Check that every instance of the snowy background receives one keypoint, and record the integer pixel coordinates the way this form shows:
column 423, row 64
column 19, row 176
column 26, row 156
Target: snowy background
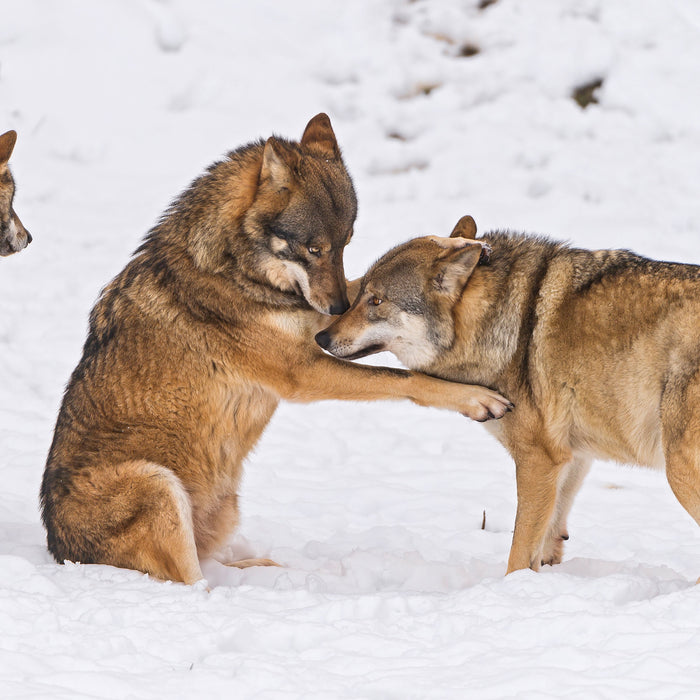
column 390, row 589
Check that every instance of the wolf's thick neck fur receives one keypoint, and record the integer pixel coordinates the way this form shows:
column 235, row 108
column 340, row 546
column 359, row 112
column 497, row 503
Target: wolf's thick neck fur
column 206, row 227
column 501, row 314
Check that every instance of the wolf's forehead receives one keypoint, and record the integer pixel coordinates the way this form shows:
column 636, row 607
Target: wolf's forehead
column 316, row 209
column 314, row 216
column 334, row 203
column 397, row 265
column 397, row 278
column 329, row 186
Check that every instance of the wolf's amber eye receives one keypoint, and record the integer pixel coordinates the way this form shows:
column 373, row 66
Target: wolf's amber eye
column 375, row 301
column 314, row 250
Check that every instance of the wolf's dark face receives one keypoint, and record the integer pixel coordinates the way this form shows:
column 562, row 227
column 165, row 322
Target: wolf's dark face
column 13, row 235
column 304, row 213
column 406, row 302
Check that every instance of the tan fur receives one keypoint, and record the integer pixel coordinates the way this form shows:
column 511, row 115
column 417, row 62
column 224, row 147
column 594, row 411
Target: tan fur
column 13, row 236
column 190, row 349
column 599, row 351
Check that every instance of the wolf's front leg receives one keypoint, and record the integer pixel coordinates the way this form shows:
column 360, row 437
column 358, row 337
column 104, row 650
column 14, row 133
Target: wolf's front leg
column 324, row 377
column 537, row 474
column 570, row 479
column 471, row 400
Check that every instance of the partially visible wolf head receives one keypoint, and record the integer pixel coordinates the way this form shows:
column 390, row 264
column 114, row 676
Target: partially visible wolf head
column 406, row 299
column 276, row 215
column 13, row 235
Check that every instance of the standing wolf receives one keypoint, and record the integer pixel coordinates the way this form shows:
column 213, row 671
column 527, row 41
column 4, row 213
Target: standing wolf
column 599, row 351
column 191, row 347
column 13, row 235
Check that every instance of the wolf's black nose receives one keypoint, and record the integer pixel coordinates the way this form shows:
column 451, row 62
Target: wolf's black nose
column 323, row 339
column 339, row 307
column 29, row 237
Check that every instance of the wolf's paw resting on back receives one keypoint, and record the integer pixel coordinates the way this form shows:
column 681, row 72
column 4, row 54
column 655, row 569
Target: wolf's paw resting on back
column 484, row 404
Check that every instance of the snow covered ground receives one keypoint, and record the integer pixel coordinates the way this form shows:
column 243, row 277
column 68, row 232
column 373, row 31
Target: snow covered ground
column 391, row 588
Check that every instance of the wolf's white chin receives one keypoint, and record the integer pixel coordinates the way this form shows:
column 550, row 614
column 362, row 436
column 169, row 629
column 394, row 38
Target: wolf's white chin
column 418, row 358
column 414, row 348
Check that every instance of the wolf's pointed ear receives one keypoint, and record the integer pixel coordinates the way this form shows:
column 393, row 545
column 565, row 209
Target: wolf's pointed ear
column 7, row 144
column 454, row 267
column 465, row 228
column 278, row 164
column 319, row 137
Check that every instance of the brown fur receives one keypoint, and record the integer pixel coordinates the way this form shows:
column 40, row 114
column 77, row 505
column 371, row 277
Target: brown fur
column 13, row 236
column 599, row 351
column 191, row 347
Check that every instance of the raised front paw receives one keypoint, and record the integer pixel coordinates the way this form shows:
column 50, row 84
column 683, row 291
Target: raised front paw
column 484, row 404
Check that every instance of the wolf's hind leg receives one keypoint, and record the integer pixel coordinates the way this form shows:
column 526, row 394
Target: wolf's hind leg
column 683, row 471
column 134, row 515
column 683, row 474
column 680, row 419
column 160, row 540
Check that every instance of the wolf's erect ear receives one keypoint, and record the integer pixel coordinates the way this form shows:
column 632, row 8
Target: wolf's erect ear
column 465, row 228
column 454, row 268
column 278, row 164
column 319, row 137
column 7, row 144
